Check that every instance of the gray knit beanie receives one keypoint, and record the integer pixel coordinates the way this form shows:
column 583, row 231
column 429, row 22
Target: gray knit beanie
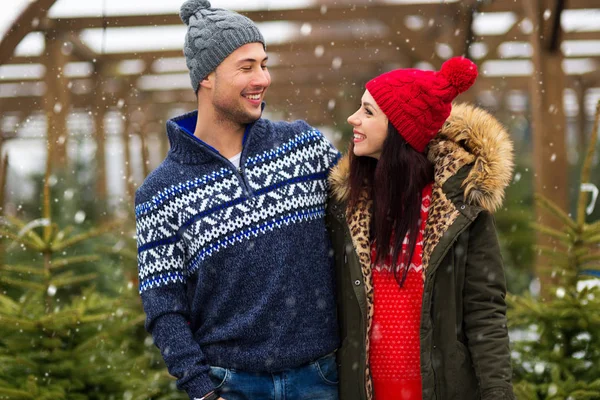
column 213, row 34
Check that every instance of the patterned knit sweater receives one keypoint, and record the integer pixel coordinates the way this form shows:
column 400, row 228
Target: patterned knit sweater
column 234, row 264
column 395, row 344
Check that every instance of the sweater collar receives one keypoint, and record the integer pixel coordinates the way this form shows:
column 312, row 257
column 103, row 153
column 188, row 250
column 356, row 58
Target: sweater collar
column 188, row 149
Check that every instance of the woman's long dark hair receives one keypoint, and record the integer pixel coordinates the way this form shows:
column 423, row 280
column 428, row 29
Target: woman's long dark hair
column 395, row 183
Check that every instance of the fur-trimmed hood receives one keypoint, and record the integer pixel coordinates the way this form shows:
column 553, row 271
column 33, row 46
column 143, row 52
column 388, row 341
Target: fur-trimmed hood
column 470, row 136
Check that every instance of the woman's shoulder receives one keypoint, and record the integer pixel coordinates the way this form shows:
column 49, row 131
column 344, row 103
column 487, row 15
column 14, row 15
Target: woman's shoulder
column 339, row 182
column 473, row 155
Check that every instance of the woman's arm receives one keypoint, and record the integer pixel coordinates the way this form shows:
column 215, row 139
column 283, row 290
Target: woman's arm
column 485, row 311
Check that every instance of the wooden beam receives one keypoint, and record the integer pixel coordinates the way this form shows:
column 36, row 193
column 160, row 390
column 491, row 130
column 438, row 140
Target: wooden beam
column 308, row 45
column 56, row 102
column 346, row 12
column 493, row 42
column 24, row 24
column 592, row 78
column 80, row 49
column 513, row 6
column 552, row 29
column 307, row 85
column 549, row 126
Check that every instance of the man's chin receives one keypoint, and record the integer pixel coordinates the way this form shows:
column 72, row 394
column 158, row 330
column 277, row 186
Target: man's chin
column 252, row 117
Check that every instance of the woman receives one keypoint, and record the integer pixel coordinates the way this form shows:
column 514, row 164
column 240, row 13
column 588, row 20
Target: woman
column 418, row 187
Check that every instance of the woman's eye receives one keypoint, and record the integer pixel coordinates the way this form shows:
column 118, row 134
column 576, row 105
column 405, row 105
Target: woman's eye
column 368, row 112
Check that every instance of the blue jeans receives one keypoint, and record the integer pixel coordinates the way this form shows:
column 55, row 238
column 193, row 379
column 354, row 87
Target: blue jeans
column 317, row 380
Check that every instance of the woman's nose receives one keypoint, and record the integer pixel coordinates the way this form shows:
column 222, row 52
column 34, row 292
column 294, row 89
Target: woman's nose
column 353, row 120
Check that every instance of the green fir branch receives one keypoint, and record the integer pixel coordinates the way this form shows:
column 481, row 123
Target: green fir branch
column 20, row 240
column 67, row 261
column 23, row 269
column 562, row 236
column 15, row 394
column 20, row 283
column 555, row 211
column 16, row 324
column 21, row 225
column 60, row 245
column 68, row 279
column 8, row 304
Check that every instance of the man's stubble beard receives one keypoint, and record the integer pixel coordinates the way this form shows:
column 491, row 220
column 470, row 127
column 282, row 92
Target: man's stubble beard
column 230, row 111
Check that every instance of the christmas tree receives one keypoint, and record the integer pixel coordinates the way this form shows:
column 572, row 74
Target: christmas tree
column 61, row 337
column 557, row 352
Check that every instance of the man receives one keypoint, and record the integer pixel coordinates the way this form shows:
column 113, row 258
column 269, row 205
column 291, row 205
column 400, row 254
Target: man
column 234, row 259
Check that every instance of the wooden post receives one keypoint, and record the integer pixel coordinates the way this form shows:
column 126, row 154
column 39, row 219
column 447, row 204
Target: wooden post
column 580, row 91
column 99, row 113
column 129, row 182
column 57, row 101
column 548, row 118
column 3, row 174
column 144, row 144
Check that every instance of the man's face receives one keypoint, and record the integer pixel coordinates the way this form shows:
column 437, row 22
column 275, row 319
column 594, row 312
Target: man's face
column 240, row 83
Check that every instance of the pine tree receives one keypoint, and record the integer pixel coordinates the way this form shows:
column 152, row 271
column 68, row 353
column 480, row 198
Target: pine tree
column 60, row 337
column 559, row 358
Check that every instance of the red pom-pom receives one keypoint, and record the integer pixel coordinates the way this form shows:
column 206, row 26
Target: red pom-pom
column 460, row 72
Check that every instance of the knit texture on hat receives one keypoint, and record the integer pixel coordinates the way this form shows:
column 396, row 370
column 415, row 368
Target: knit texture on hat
column 418, row 102
column 212, row 35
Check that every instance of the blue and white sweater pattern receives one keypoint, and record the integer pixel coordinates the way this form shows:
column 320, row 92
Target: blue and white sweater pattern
column 286, row 185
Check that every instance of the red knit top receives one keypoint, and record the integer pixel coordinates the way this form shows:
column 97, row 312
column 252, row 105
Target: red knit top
column 395, row 346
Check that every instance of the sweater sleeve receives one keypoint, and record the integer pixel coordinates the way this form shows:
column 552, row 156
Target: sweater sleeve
column 485, row 311
column 162, row 277
column 331, row 154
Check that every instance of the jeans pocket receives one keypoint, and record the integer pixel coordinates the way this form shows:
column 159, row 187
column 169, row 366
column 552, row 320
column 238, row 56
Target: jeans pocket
column 327, row 369
column 218, row 376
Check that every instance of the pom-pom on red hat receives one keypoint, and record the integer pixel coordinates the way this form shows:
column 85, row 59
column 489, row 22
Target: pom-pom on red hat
column 418, row 102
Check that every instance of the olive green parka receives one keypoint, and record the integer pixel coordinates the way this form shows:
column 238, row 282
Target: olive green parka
column 464, row 340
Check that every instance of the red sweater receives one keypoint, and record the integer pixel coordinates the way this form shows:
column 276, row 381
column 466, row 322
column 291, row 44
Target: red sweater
column 395, row 346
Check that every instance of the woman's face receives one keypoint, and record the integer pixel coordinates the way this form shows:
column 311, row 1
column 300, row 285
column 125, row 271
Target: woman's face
column 370, row 128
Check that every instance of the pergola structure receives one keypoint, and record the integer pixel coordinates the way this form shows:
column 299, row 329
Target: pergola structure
column 318, row 73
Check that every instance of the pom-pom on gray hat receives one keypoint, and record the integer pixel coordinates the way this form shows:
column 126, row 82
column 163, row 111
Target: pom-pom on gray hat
column 212, row 35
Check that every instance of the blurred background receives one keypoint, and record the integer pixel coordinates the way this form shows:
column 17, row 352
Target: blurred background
column 86, row 89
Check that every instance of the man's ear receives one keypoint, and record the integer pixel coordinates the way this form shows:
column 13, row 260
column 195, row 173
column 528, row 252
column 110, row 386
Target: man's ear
column 208, row 82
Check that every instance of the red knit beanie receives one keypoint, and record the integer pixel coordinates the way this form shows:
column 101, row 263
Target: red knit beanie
column 418, row 102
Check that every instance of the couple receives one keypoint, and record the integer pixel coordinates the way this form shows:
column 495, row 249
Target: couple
column 242, row 291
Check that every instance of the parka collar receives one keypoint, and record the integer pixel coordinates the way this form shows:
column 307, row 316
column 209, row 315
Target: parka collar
column 475, row 137
column 470, row 136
